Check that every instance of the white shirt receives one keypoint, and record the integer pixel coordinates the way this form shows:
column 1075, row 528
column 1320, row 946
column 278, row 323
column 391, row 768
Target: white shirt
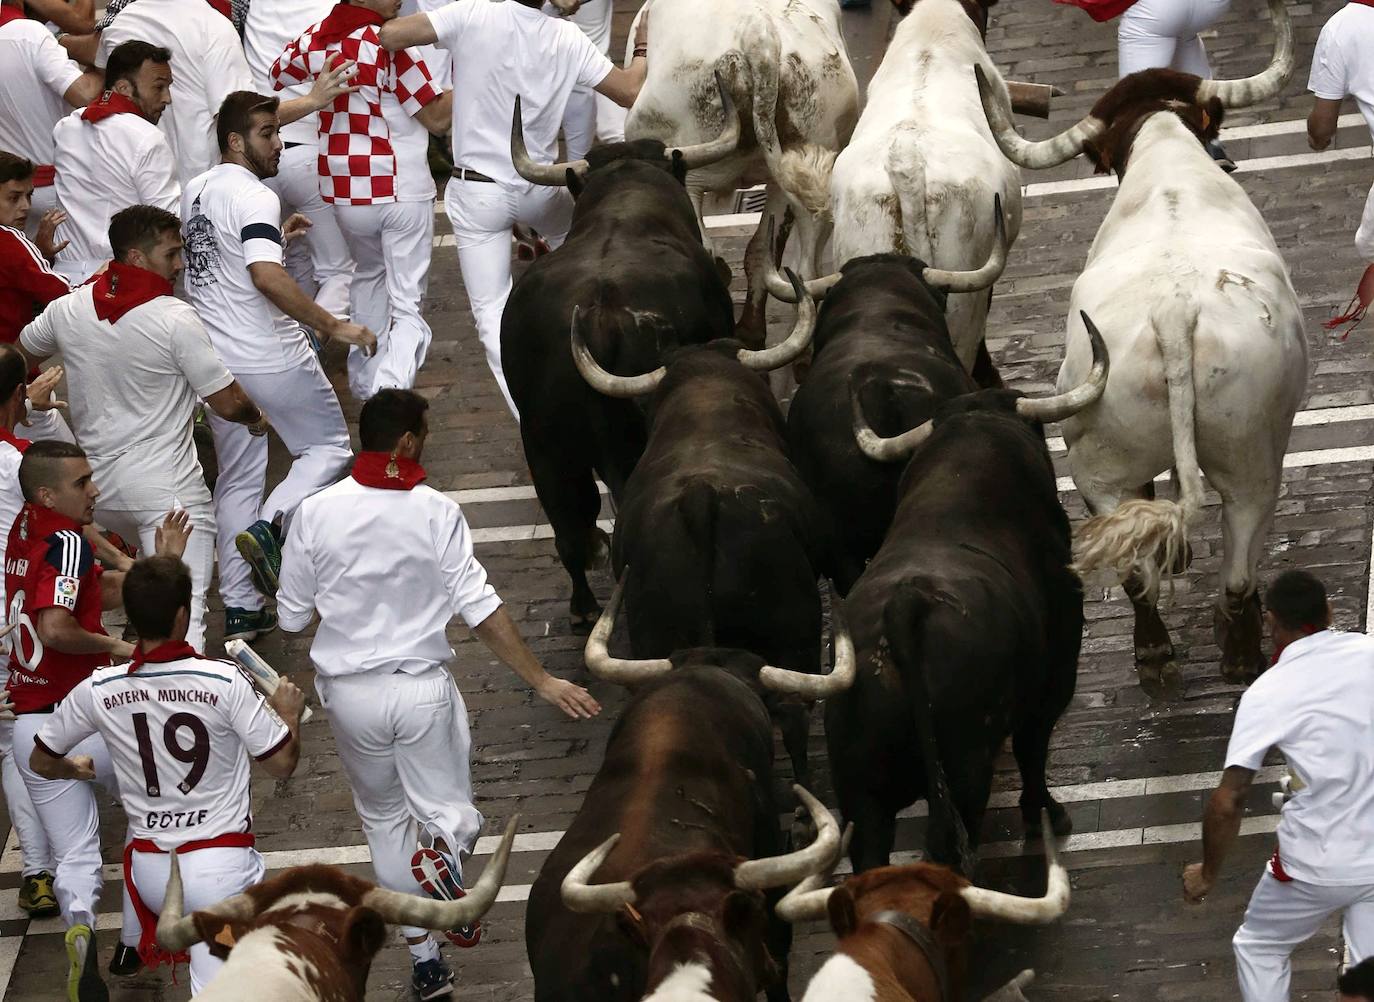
column 1317, row 707
column 502, row 50
column 11, row 500
column 1343, row 61
column 177, row 733
column 37, row 73
column 269, row 28
column 207, row 66
column 103, row 167
column 133, row 387
column 387, row 570
column 230, row 220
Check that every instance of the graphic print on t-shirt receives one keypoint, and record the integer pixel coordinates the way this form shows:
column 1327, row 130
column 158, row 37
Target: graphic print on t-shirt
column 202, row 250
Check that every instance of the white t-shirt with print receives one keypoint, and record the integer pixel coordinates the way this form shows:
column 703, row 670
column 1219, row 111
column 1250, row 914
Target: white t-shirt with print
column 1343, row 61
column 1317, row 707
column 501, row 50
column 37, row 73
column 230, row 219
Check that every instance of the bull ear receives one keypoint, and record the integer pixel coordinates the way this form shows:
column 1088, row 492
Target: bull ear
column 950, row 919
column 631, row 925
column 844, row 919
column 219, row 934
column 364, row 933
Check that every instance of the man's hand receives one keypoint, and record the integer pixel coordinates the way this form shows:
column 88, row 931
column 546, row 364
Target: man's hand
column 6, row 705
column 46, row 237
column 1195, row 885
column 288, row 701
column 350, row 333
column 296, row 225
column 572, row 699
column 173, row 533
column 42, row 391
column 642, row 31
column 122, row 650
column 81, row 767
column 259, row 427
column 333, row 82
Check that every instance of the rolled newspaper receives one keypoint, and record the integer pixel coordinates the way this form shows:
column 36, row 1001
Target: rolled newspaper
column 264, row 676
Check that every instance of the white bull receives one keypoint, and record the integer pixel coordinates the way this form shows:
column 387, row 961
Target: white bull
column 1209, row 357
column 785, row 64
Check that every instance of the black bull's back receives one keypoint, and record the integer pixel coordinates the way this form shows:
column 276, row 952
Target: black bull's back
column 688, row 768
column 972, row 590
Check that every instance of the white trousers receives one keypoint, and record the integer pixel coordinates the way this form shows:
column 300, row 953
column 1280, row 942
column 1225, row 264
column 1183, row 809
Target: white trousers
column 1282, row 914
column 70, row 818
column 482, row 214
column 199, row 555
column 304, row 412
column 44, row 199
column 1163, row 34
column 327, row 268
column 391, row 245
column 35, row 852
column 208, row 876
column 403, row 743
column 44, row 425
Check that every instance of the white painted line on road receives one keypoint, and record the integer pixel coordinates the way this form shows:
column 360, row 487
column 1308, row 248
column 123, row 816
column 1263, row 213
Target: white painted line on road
column 9, row 953
column 1317, row 418
column 517, row 533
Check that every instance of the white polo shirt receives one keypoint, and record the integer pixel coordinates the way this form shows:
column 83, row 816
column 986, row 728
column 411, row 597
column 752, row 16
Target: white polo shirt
column 500, row 50
column 230, row 219
column 207, row 66
column 103, row 167
column 267, row 31
column 133, row 387
column 37, row 73
column 1343, row 61
column 387, row 570
column 1317, row 707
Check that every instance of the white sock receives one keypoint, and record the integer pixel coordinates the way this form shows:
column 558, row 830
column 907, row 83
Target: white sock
column 427, row 949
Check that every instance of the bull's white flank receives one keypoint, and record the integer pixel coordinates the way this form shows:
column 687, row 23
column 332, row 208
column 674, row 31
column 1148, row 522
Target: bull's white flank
column 840, row 977
column 687, row 983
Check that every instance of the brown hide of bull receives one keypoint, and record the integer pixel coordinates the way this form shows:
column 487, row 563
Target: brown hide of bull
column 688, row 910
column 338, row 942
column 1125, row 107
column 899, row 968
column 977, row 11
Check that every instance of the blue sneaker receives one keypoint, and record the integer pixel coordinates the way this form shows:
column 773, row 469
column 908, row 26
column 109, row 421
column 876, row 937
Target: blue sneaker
column 432, row 872
column 260, row 545
column 247, row 624
column 431, row 979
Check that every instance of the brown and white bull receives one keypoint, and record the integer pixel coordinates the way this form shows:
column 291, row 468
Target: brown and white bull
column 787, row 69
column 1209, row 357
column 309, row 934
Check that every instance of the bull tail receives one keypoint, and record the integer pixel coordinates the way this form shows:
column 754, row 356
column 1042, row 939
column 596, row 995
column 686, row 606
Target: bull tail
column 699, row 508
column 1147, row 538
column 906, row 166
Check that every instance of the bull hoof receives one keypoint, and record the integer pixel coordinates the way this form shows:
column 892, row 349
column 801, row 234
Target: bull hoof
column 582, row 622
column 1239, row 674
column 1161, row 679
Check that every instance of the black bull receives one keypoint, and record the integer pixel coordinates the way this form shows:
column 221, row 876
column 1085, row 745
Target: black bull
column 635, row 265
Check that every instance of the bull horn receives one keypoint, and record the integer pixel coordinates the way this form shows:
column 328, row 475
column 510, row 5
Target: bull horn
column 1266, row 83
column 1067, row 404
column 177, row 932
column 808, row 686
column 622, row 671
column 604, row 382
column 1027, row 911
column 819, row 856
column 809, row 899
column 703, row 154
column 781, row 288
column 768, row 359
column 1046, row 153
column 979, row 278
column 396, row 908
column 552, row 175
column 580, row 896
column 873, row 445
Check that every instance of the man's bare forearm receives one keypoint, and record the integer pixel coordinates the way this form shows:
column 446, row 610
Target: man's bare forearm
column 282, row 291
column 1220, row 828
column 499, row 633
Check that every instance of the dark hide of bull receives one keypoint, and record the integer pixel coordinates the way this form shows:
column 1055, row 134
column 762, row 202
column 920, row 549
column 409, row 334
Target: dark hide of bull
column 635, row 266
column 1135, row 98
column 723, row 541
column 687, row 780
column 883, row 322
column 971, row 589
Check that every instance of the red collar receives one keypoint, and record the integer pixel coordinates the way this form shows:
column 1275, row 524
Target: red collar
column 8, row 14
column 391, row 473
column 123, row 287
column 107, row 104
column 1367, row 3
column 40, row 523
column 1307, row 631
column 343, row 20
column 172, row 650
column 20, row 444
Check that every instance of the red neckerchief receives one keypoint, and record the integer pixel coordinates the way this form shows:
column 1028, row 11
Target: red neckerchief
column 123, row 287
column 224, row 7
column 390, row 473
column 20, row 444
column 1364, row 292
column 1101, row 10
column 342, row 21
column 1307, row 631
column 107, row 104
column 8, row 14
column 1367, row 3
column 172, row 650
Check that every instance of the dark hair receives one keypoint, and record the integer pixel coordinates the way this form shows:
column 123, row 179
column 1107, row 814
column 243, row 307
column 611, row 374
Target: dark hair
column 236, row 114
column 1297, row 600
column 128, row 58
column 154, row 589
column 388, row 415
column 139, row 227
column 14, row 167
column 14, row 371
column 39, row 465
column 1358, row 981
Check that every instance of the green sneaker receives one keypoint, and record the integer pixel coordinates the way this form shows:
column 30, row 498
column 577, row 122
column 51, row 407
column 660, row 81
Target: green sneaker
column 36, row 895
column 260, row 545
column 84, row 983
column 247, row 624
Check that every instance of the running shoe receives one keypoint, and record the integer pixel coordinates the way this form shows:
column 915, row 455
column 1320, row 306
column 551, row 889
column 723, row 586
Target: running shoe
column 431, row 979
column 434, row 874
column 125, row 961
column 36, row 895
column 247, row 624
column 260, row 545
column 83, row 970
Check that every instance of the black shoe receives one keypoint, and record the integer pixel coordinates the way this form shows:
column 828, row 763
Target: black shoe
column 1219, row 154
column 431, row 979
column 125, row 961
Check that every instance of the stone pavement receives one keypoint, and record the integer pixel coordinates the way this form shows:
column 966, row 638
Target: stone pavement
column 1134, row 772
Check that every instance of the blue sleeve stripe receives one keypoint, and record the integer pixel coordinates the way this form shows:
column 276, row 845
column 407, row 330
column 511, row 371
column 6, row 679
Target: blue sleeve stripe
column 260, row 231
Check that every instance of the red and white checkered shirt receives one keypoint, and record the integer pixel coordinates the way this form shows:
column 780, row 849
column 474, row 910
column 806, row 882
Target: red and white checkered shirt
column 357, row 161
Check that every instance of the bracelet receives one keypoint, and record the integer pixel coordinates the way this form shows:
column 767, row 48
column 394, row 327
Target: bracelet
column 641, row 52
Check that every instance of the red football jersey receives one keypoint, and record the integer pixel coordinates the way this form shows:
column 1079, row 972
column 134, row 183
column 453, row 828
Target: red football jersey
column 49, row 564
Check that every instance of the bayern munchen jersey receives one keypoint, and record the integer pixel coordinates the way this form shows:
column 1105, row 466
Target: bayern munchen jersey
column 180, row 729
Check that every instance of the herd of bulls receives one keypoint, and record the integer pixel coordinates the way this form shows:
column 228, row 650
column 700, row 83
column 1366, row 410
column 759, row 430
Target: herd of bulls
column 903, row 472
